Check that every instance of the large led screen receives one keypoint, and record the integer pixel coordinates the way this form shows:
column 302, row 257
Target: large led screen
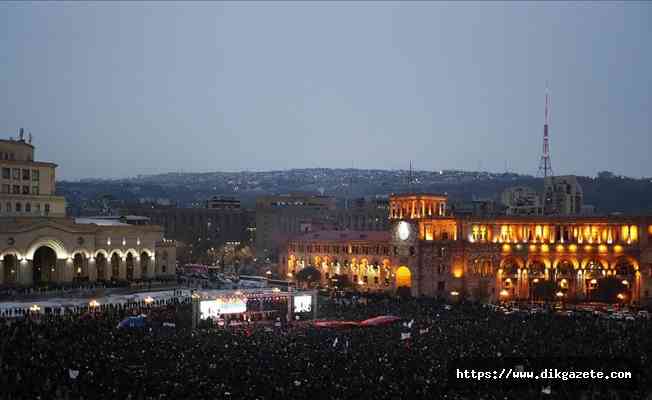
column 215, row 308
column 302, row 304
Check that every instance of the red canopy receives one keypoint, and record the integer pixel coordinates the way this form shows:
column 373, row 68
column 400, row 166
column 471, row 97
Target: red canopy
column 335, row 324
column 380, row 320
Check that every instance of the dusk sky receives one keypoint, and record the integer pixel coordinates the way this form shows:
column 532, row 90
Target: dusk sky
column 118, row 89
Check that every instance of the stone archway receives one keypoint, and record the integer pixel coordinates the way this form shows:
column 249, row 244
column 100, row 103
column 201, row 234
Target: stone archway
column 10, row 272
column 625, row 271
column 145, row 264
column 100, row 264
column 79, row 266
column 130, row 261
column 115, row 266
column 593, row 272
column 403, row 277
column 44, row 266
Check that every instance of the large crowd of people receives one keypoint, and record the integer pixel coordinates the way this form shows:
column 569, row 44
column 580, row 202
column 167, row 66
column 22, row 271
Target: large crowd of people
column 84, row 355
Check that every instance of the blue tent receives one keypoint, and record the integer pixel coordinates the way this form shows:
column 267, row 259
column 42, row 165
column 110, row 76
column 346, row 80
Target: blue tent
column 132, row 322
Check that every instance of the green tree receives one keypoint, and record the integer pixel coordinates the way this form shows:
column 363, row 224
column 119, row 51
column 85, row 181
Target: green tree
column 309, row 275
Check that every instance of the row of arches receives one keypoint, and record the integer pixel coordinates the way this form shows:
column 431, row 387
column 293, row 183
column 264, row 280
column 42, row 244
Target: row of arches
column 569, row 277
column 46, row 266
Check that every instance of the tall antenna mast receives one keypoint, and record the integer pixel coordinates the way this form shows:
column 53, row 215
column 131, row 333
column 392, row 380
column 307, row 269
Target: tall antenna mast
column 545, row 166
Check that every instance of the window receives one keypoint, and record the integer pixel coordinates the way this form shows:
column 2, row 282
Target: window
column 6, row 189
column 35, row 190
column 35, row 175
column 6, row 173
column 28, row 208
column 19, row 207
column 15, row 173
column 16, row 189
column 441, row 286
column 47, row 209
column 25, row 189
column 8, row 207
column 37, row 208
column 25, row 174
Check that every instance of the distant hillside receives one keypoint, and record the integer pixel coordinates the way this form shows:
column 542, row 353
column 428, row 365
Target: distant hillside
column 608, row 193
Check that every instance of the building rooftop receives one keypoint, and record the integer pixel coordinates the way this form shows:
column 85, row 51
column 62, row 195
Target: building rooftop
column 346, row 235
column 99, row 221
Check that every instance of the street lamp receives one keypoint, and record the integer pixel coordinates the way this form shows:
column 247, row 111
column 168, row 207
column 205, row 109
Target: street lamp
column 93, row 304
column 149, row 300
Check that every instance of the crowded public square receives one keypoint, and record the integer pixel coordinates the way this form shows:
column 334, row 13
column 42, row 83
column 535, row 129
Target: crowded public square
column 87, row 353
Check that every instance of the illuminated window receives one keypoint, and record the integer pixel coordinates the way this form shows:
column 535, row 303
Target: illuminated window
column 633, row 233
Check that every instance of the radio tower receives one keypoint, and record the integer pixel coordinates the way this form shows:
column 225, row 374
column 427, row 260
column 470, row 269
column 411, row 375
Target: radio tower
column 545, row 167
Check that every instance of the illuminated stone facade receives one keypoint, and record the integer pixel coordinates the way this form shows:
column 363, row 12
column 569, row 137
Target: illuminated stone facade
column 487, row 258
column 59, row 250
column 40, row 245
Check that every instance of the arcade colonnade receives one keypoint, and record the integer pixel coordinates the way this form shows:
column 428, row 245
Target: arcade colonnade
column 48, row 260
column 573, row 278
column 367, row 273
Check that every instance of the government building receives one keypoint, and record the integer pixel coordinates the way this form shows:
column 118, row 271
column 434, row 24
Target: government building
column 40, row 245
column 487, row 258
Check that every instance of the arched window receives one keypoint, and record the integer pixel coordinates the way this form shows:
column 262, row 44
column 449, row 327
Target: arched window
column 19, row 207
column 28, row 207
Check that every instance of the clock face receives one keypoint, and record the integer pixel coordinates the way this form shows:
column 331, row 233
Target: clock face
column 403, row 230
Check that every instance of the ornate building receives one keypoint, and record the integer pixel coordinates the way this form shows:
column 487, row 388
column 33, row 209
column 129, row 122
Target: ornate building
column 490, row 258
column 40, row 245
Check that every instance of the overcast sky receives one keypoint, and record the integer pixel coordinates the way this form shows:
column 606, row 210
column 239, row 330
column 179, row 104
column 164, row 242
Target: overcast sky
column 119, row 89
